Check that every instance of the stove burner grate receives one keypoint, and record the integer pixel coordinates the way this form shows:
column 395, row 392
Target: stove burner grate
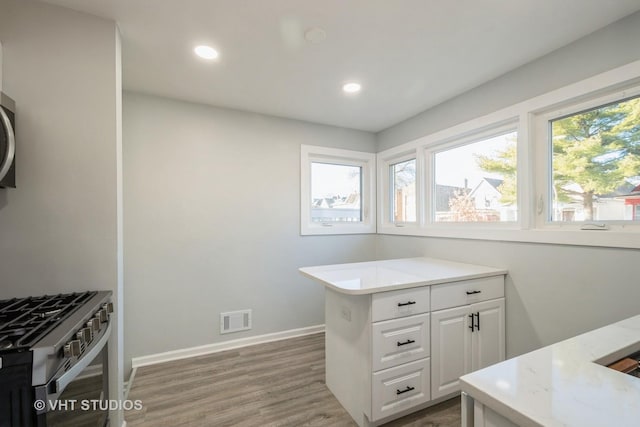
column 24, row 321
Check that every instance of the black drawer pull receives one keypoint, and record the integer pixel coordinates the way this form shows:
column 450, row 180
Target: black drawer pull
column 409, row 388
column 405, row 343
column 402, row 304
column 473, row 292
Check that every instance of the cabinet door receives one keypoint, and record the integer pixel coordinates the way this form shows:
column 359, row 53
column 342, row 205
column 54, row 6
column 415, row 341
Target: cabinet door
column 450, row 349
column 488, row 341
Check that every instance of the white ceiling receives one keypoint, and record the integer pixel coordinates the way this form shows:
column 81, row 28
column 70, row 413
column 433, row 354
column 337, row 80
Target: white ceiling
column 409, row 55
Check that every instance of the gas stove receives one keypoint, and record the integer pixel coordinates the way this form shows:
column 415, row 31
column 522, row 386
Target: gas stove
column 45, row 343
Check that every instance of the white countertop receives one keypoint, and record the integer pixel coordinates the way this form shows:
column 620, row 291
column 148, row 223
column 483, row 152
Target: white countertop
column 379, row 276
column 560, row 385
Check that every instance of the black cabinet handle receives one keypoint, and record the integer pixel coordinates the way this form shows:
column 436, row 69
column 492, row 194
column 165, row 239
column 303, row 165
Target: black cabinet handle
column 473, row 292
column 471, row 327
column 402, row 304
column 405, row 343
column 409, row 388
column 478, row 318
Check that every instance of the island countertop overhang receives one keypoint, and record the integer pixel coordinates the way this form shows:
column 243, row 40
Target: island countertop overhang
column 364, row 278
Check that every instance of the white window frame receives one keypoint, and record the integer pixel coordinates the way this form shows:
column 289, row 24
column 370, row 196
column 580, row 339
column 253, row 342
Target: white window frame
column 430, row 152
column 544, row 160
column 533, row 163
column 385, row 199
column 366, row 161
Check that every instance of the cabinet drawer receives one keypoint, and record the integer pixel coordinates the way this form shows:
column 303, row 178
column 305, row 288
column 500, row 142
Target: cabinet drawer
column 394, row 304
column 400, row 341
column 400, row 388
column 466, row 292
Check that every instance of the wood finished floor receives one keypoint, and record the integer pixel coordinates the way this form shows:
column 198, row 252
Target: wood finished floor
column 273, row 384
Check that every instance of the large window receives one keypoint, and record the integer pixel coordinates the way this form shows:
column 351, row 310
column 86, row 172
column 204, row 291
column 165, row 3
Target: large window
column 595, row 164
column 477, row 181
column 337, row 191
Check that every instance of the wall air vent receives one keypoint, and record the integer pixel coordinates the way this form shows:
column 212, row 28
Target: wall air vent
column 235, row 321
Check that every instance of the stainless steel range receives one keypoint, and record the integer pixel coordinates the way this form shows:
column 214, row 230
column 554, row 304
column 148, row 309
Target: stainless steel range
column 47, row 345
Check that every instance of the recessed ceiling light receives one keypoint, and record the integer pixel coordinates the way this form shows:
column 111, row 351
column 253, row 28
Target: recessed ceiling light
column 352, row 87
column 206, row 52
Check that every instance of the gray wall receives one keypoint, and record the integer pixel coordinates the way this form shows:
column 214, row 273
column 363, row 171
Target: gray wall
column 58, row 228
column 212, row 223
column 610, row 47
column 553, row 291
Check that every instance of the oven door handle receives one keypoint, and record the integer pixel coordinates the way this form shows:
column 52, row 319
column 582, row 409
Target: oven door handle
column 67, row 377
column 11, row 144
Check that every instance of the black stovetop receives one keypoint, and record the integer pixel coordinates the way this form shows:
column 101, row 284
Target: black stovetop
column 24, row 321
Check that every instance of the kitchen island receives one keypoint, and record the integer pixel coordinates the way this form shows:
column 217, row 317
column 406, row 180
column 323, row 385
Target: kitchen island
column 399, row 333
column 564, row 384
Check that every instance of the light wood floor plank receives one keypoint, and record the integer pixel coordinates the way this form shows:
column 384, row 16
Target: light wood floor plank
column 279, row 384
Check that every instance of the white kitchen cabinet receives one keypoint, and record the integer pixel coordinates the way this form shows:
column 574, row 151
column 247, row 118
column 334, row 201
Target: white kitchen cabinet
column 468, row 337
column 451, row 354
column 487, row 340
column 378, row 369
column 395, row 328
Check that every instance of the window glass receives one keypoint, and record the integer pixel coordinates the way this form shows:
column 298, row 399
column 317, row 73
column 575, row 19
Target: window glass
column 476, row 182
column 403, row 187
column 596, row 164
column 336, row 192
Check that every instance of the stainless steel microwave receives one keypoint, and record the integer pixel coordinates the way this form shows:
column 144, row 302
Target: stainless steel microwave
column 7, row 142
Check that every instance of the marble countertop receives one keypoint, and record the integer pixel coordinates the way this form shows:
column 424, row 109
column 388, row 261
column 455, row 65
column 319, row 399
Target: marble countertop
column 379, row 276
column 566, row 384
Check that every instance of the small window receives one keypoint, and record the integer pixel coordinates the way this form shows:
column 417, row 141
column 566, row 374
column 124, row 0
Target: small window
column 476, row 182
column 403, row 188
column 595, row 172
column 336, row 191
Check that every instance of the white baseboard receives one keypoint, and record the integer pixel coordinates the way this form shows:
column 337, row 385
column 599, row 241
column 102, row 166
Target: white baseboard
column 202, row 350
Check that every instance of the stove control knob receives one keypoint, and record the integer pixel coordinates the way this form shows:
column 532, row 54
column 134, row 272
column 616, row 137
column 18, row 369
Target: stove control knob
column 94, row 324
column 80, row 337
column 108, row 307
column 87, row 334
column 72, row 349
column 102, row 316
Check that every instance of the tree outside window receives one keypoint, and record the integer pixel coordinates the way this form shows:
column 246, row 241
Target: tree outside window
column 596, row 163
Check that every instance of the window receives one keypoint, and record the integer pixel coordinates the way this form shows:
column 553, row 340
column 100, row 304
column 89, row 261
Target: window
column 477, row 181
column 595, row 163
column 551, row 169
column 336, row 191
column 399, row 186
column 403, row 188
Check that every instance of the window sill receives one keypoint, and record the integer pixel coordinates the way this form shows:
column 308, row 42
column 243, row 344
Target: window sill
column 320, row 230
column 597, row 238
